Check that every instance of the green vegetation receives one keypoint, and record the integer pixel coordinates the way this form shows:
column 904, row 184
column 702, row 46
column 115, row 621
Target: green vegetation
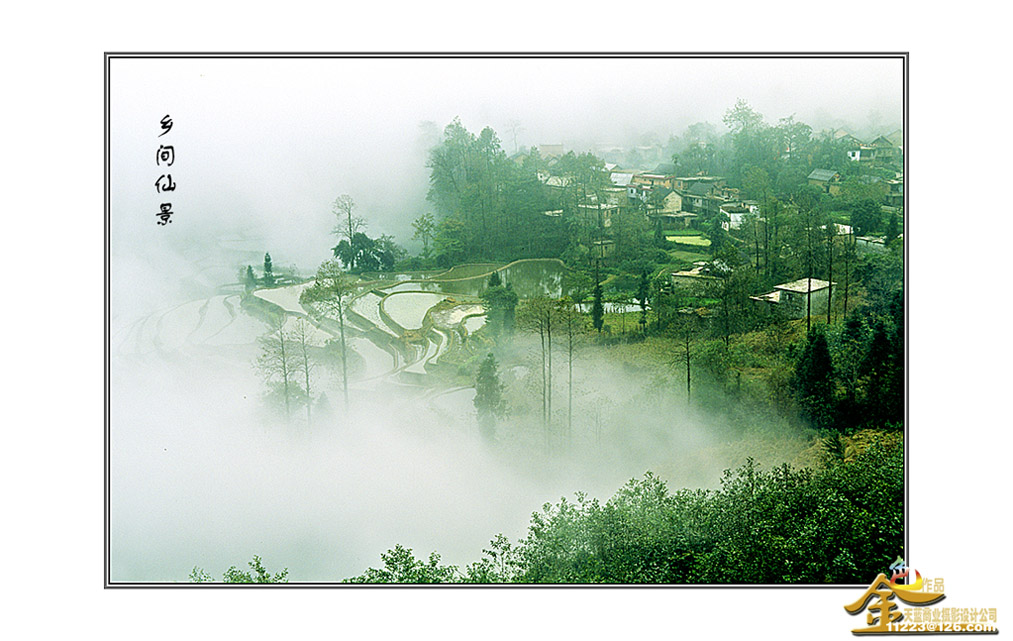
column 839, row 523
column 259, row 574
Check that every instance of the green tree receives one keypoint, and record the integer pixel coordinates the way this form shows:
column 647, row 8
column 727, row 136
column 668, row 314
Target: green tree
column 249, row 279
column 365, row 254
column 643, row 291
column 754, row 143
column 732, row 288
column 425, row 230
column 578, row 285
column 451, row 243
column 848, row 355
column 488, row 400
column 892, row 228
column 813, row 381
column 494, row 280
column 500, row 303
column 268, row 271
column 597, row 309
column 499, row 564
column 741, row 118
column 756, row 183
column 866, row 216
column 401, row 566
column 883, row 375
column 388, row 252
column 795, row 138
column 717, row 233
column 467, row 183
column 259, row 574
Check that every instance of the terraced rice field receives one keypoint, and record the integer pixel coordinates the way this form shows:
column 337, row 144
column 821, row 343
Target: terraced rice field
column 408, row 309
column 286, row 298
column 454, row 315
column 367, row 306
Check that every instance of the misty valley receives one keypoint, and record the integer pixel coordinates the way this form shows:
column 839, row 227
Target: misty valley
column 667, row 364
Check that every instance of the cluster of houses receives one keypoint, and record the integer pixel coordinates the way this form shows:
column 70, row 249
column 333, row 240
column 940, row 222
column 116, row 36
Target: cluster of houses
column 676, row 200
column 679, row 200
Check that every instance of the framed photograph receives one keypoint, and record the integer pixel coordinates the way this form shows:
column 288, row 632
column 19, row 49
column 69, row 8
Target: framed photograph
column 506, row 319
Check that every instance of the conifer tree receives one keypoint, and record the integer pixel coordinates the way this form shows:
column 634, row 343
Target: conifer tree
column 488, row 396
column 597, row 309
column 813, row 380
column 642, row 292
column 268, row 270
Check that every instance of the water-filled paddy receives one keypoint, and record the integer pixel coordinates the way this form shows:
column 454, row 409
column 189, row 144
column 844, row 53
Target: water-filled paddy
column 286, row 298
column 367, row 306
column 408, row 309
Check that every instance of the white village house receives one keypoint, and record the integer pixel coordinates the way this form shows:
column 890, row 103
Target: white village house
column 790, row 300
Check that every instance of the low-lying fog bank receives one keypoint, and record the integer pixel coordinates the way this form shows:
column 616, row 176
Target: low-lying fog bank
column 206, row 472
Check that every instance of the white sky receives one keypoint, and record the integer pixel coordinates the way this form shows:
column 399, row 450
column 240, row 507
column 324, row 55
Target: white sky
column 267, row 144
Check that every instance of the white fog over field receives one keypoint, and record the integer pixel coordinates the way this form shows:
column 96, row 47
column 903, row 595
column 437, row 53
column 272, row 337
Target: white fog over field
column 204, row 473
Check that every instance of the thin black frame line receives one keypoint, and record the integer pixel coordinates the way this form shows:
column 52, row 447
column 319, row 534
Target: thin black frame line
column 107, row 352
column 907, row 323
column 109, row 56
column 513, row 55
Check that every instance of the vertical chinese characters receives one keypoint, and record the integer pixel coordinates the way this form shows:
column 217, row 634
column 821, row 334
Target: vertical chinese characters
column 165, row 157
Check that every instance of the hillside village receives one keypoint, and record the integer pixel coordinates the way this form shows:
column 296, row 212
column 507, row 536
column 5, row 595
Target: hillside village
column 685, row 209
column 750, row 253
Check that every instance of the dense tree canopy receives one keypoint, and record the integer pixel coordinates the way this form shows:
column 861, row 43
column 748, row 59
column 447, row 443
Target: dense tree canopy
column 760, row 527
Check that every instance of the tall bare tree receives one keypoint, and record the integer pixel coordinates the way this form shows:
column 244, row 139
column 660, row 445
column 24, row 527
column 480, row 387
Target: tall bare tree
column 348, row 223
column 831, row 236
column 301, row 338
column 277, row 361
column 327, row 298
column 849, row 256
column 538, row 315
column 573, row 324
column 684, row 332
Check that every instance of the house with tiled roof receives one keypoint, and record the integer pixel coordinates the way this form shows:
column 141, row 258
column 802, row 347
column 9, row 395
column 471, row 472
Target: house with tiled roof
column 885, row 150
column 826, row 179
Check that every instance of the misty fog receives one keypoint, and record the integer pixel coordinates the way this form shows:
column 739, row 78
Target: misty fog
column 204, row 472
